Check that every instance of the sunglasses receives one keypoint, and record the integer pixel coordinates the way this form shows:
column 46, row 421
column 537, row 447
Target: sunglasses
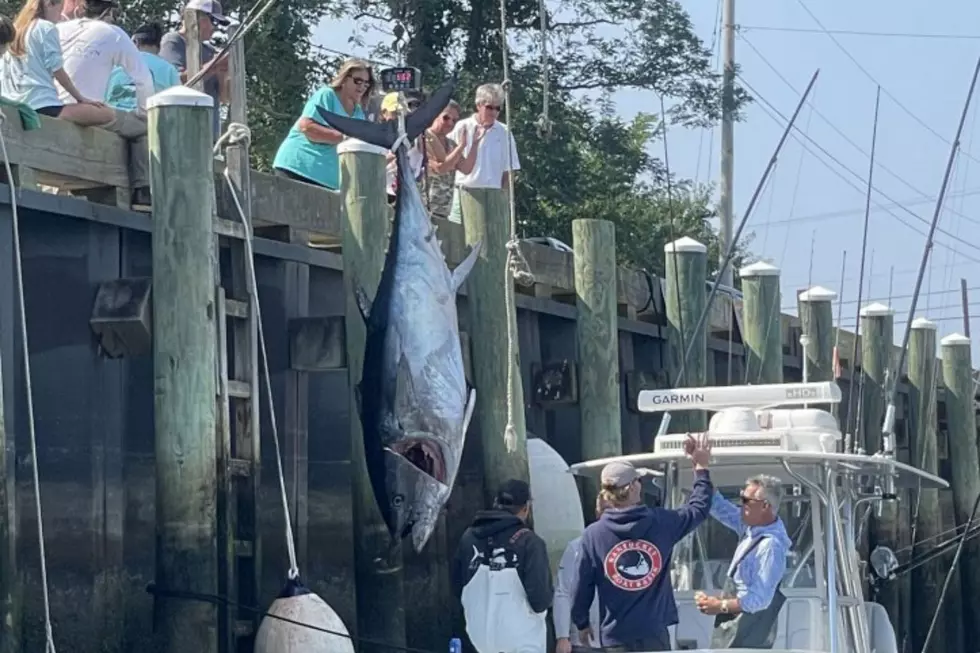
column 492, row 107
column 449, row 118
column 360, row 81
column 748, row 500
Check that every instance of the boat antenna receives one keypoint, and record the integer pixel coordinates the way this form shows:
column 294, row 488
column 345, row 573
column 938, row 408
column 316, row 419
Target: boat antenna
column 888, row 427
column 852, row 423
column 730, row 254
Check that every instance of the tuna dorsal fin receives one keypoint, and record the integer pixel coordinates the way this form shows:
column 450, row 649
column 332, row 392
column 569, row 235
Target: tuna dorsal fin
column 463, row 269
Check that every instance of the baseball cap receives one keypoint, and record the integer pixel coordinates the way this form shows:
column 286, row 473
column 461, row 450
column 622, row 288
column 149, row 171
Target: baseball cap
column 619, row 474
column 390, row 102
column 209, row 7
column 513, row 493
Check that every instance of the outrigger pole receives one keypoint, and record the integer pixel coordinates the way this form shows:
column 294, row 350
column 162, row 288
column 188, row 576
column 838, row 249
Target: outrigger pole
column 888, row 427
column 730, row 254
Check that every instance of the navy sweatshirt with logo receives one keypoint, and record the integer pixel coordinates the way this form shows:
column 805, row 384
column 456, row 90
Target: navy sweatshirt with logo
column 626, row 557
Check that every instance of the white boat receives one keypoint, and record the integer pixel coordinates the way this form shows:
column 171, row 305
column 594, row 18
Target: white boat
column 776, row 430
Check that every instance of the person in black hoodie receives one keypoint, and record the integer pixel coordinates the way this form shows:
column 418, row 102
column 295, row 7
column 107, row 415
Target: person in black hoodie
column 502, row 577
column 626, row 557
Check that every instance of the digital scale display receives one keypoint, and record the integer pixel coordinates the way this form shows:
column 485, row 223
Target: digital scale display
column 401, row 79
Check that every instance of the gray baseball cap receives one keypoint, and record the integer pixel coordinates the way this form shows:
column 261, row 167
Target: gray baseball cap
column 619, row 474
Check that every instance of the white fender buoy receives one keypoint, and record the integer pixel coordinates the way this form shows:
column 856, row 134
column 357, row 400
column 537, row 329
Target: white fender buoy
column 297, row 603
column 558, row 517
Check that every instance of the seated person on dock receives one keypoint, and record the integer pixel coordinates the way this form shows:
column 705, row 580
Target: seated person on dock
column 502, row 576
column 309, row 151
column 121, row 93
column 625, row 556
column 92, row 48
column 565, row 635
column 32, row 63
column 750, row 603
column 173, row 48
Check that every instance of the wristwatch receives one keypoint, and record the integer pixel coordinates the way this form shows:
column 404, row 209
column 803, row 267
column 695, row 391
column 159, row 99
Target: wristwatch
column 724, row 606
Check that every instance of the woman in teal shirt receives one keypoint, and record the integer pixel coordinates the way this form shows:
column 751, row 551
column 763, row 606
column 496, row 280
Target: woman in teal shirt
column 309, row 152
column 120, row 91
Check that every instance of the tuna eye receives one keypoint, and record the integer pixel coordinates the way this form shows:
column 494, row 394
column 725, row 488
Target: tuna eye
column 398, row 500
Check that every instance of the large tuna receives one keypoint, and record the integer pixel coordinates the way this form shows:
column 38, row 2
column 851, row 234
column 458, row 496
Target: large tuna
column 412, row 399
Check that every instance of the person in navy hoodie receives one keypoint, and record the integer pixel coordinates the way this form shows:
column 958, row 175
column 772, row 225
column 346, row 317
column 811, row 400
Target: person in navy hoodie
column 626, row 555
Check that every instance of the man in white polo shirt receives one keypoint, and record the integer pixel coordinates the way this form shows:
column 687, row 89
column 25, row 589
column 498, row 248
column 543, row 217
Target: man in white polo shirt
column 497, row 155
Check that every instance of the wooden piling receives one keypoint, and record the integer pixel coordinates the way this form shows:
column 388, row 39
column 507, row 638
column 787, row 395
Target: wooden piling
column 366, row 225
column 877, row 326
column 489, row 298
column 927, row 580
column 761, row 332
column 684, row 296
column 961, row 423
column 184, row 355
column 597, row 337
column 10, row 586
column 816, row 312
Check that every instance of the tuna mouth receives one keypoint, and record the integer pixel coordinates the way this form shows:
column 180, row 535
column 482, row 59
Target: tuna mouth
column 424, row 455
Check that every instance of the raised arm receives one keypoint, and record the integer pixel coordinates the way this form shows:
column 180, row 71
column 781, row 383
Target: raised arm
column 692, row 514
column 727, row 513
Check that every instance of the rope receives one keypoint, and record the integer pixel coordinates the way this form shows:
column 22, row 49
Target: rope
column 18, row 270
column 544, row 123
column 239, row 135
column 516, row 265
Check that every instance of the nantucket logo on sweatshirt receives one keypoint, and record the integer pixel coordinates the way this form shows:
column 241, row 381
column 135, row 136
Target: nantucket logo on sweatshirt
column 633, row 565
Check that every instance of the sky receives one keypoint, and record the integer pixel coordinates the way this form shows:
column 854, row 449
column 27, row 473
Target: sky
column 812, row 210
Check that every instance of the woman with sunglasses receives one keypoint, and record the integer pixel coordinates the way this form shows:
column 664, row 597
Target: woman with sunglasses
column 445, row 159
column 309, row 151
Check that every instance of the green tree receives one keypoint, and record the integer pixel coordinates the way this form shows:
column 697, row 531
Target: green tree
column 592, row 163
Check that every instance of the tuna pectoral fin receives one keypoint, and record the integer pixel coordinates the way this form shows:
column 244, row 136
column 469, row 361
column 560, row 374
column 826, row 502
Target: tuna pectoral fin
column 463, row 269
column 406, row 400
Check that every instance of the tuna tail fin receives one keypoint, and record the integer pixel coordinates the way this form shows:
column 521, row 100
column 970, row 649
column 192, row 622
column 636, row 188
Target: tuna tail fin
column 386, row 133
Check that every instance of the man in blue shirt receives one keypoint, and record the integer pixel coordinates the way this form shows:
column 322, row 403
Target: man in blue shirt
column 626, row 554
column 751, row 600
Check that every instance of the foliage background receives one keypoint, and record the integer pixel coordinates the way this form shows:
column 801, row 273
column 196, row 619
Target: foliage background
column 593, row 164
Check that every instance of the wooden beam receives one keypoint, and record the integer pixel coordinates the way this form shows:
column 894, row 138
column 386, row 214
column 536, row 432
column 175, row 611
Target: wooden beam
column 597, row 340
column 761, row 330
column 686, row 266
column 961, row 420
column 377, row 559
column 927, row 580
column 184, row 355
column 491, row 315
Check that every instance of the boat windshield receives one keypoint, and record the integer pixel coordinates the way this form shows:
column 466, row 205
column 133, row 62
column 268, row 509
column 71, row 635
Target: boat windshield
column 701, row 560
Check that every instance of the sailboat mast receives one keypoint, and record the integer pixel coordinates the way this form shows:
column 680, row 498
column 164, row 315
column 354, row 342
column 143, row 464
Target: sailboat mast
column 888, row 428
column 727, row 137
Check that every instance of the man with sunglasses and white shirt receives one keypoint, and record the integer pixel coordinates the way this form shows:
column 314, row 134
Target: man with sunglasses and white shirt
column 497, row 156
column 747, row 610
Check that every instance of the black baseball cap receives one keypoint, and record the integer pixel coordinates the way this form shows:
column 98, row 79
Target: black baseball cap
column 513, row 493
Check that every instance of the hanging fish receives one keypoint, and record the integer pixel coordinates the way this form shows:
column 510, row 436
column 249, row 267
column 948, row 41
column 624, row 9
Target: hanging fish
column 412, row 399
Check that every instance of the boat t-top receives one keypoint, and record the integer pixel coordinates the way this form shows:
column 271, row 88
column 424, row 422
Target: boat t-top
column 828, row 495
